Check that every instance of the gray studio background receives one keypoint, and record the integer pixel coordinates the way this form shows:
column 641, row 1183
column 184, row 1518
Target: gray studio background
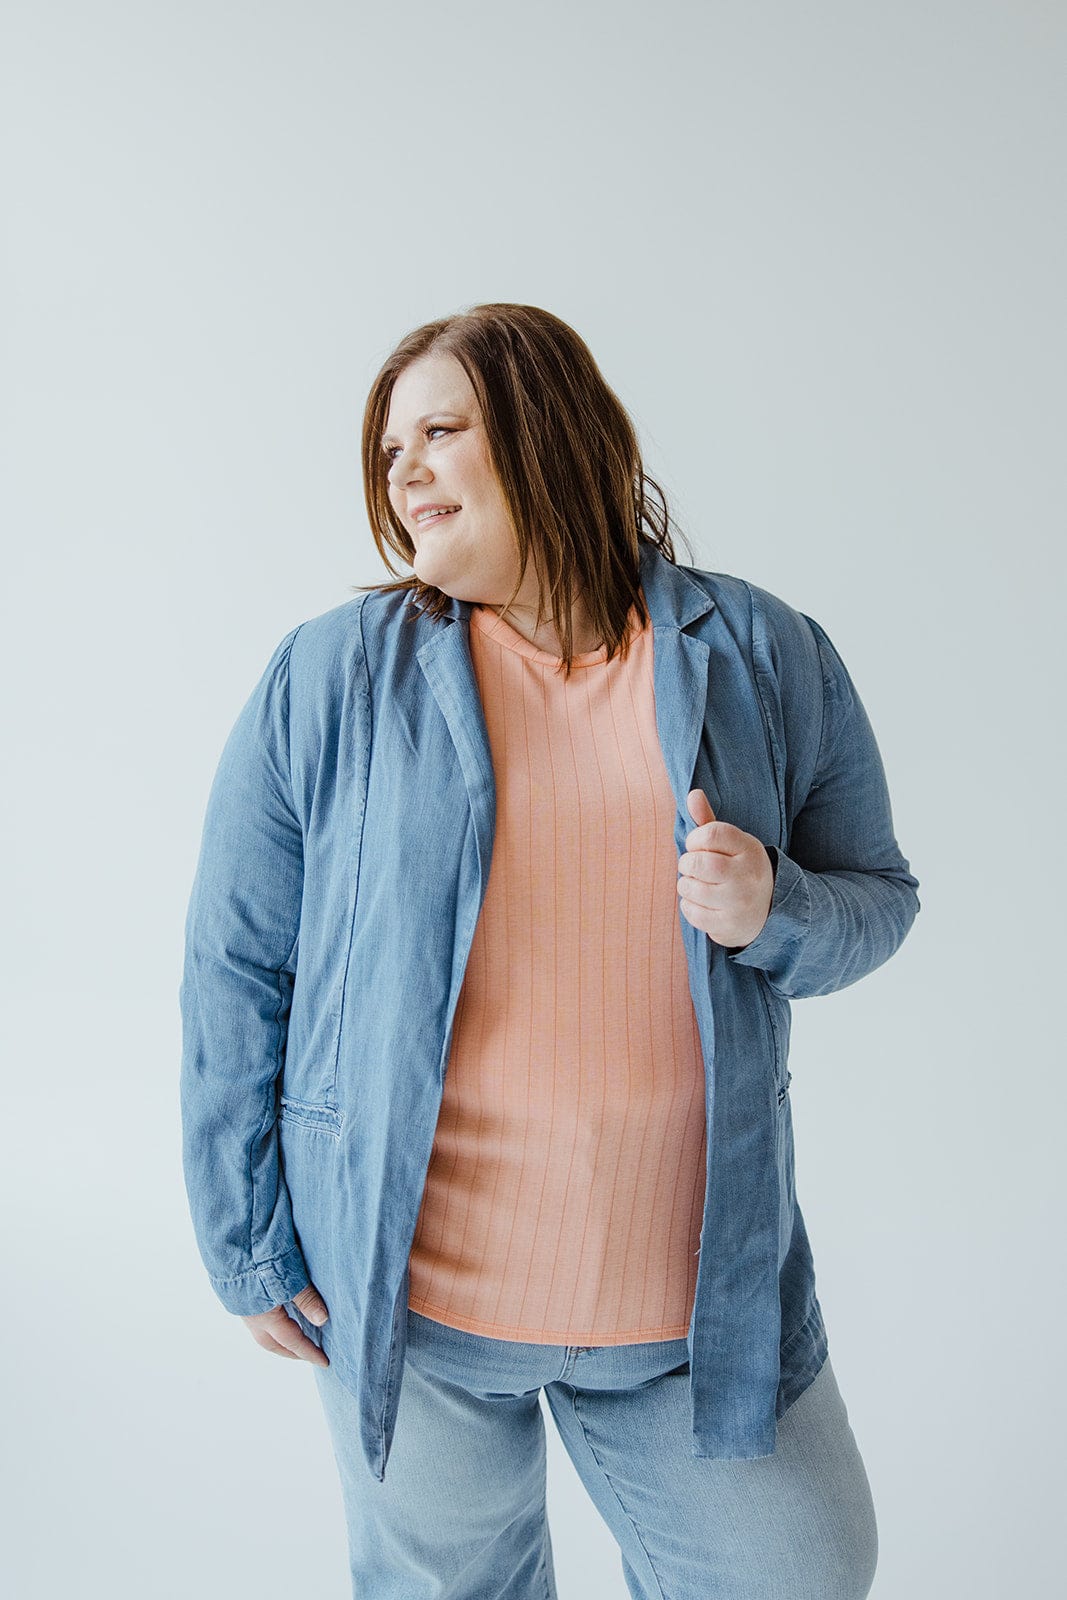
column 819, row 251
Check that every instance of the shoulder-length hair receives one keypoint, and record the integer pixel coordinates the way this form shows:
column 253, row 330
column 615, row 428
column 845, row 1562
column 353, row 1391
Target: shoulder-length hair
column 565, row 453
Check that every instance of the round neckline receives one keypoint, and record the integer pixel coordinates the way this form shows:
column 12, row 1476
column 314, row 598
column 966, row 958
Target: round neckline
column 489, row 622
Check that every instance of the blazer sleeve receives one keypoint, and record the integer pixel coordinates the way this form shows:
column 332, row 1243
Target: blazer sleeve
column 844, row 897
column 239, row 964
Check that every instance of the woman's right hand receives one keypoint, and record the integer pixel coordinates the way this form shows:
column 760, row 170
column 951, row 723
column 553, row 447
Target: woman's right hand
column 277, row 1332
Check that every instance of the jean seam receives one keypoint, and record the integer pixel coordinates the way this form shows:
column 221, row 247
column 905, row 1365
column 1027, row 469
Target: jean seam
column 615, row 1492
column 544, row 1550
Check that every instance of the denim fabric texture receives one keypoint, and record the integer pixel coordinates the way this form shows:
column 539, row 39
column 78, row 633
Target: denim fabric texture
column 463, row 1511
column 344, row 859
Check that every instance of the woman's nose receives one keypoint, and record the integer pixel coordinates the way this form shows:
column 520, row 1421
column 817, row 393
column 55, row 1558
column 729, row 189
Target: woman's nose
column 400, row 475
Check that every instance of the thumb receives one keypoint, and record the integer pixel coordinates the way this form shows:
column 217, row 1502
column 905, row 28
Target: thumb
column 311, row 1303
column 700, row 807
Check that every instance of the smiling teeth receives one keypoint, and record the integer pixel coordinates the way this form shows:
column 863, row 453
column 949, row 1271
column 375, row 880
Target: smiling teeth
column 428, row 516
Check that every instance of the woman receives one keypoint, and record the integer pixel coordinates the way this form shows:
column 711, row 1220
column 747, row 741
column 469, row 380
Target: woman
column 559, row 828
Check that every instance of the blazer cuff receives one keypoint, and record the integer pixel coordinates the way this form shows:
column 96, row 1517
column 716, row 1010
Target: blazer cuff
column 268, row 1284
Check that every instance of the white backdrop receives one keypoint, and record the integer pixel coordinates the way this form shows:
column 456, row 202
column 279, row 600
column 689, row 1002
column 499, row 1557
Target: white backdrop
column 819, row 252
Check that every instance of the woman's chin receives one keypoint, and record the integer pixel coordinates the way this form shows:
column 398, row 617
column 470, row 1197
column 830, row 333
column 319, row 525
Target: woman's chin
column 433, row 573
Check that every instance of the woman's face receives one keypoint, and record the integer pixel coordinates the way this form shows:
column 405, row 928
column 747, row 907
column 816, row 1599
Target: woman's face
column 438, row 455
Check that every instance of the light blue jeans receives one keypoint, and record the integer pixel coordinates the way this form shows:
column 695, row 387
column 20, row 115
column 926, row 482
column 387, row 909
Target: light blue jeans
column 461, row 1512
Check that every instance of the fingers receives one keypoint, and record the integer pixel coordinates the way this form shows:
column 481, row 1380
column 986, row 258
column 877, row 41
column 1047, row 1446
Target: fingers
column 278, row 1332
column 265, row 1341
column 311, row 1303
column 697, row 891
column 700, row 806
column 292, row 1344
column 703, row 866
column 724, row 838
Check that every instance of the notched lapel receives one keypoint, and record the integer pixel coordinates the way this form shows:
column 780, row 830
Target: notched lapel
column 447, row 666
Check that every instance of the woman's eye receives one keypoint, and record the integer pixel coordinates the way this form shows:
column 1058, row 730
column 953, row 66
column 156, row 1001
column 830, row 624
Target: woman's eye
column 437, row 428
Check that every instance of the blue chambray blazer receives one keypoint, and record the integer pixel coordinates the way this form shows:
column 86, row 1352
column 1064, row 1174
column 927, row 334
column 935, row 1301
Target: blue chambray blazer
column 343, row 863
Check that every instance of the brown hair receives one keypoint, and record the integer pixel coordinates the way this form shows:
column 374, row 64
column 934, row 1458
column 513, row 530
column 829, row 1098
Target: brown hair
column 566, row 456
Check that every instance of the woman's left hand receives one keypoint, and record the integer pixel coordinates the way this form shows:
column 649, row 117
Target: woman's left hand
column 725, row 877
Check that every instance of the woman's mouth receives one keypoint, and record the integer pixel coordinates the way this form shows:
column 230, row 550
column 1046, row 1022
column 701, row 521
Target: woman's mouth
column 434, row 517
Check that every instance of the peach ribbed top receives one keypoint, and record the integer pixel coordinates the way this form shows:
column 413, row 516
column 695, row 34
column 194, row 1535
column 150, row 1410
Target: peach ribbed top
column 565, row 1190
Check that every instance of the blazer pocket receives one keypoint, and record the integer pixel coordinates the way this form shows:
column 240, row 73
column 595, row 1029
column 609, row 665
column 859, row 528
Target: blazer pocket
column 782, row 1075
column 322, row 1119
